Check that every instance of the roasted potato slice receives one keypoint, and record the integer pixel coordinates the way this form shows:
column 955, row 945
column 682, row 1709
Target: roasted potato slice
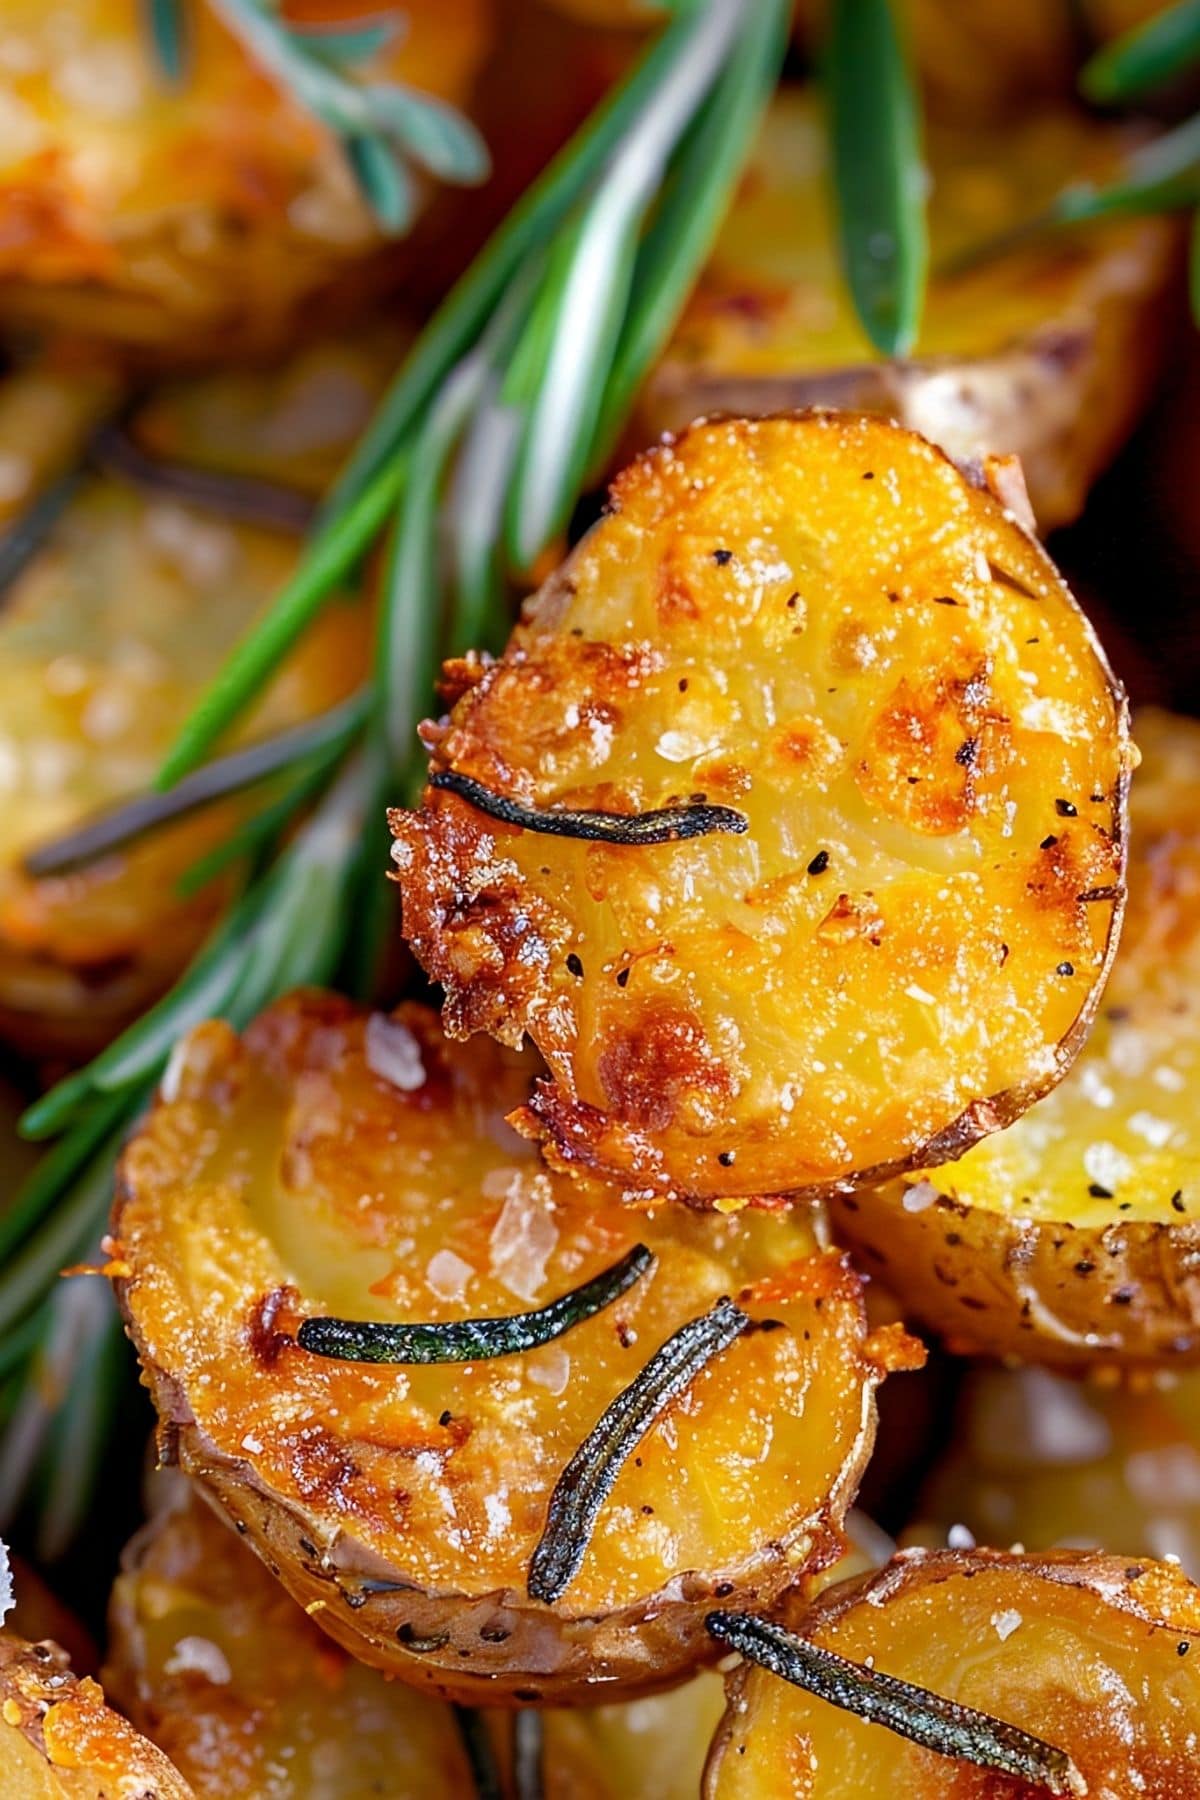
column 106, row 639
column 335, row 1162
column 196, row 217
column 1046, row 351
column 1072, row 1237
column 1089, row 1653
column 219, row 1667
column 1045, row 1460
column 60, row 1741
column 865, row 689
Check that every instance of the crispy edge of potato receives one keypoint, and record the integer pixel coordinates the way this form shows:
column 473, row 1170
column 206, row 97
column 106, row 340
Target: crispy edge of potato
column 1158, row 1593
column 401, row 1628
column 463, row 1647
column 1013, row 396
column 87, row 1751
column 570, row 1132
column 993, row 1284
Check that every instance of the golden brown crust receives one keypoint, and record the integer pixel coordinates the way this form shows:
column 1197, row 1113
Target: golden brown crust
column 1074, row 1237
column 107, row 637
column 287, row 1176
column 193, row 218
column 1047, row 352
column 60, row 1741
column 818, row 622
column 1094, row 1654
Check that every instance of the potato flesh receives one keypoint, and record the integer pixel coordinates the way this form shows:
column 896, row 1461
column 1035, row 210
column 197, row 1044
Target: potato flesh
column 1118, row 1141
column 896, row 950
column 106, row 640
column 288, row 1178
column 1044, row 1460
column 1086, row 1657
column 60, row 1741
column 187, row 216
column 213, row 1661
column 218, row 1665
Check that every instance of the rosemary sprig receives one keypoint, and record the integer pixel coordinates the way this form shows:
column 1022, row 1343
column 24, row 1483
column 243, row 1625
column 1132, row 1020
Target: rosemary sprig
column 911, row 1712
column 250, row 498
column 588, row 1478
column 471, row 1340
column 878, row 171
column 479, row 1751
column 1145, row 58
column 663, row 825
column 443, row 465
column 382, row 125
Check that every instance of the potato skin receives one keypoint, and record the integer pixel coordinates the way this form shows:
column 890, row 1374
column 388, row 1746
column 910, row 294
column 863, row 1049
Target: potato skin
column 1074, row 1237
column 59, row 1741
column 107, row 637
column 1090, row 1652
column 197, row 220
column 1046, row 352
column 788, row 616
column 272, row 1184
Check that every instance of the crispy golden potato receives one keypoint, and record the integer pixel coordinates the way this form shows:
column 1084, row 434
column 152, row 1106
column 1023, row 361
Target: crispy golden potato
column 212, row 1660
column 1046, row 352
column 1094, row 1655
column 60, row 1741
column 106, row 639
column 1045, row 1460
column 218, row 1666
column 193, row 218
column 986, row 59
column 331, row 1162
column 818, row 624
column 1072, row 1237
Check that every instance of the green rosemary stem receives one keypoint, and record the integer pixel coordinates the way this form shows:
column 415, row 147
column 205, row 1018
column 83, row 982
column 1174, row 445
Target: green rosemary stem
column 334, row 551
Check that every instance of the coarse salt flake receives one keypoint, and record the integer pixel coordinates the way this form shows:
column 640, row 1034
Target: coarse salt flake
column 448, row 1274
column 1005, row 1623
column 394, row 1054
column 920, row 1195
column 199, row 1656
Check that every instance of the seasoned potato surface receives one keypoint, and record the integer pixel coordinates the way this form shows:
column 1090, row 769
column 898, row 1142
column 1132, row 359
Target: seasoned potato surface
column 1046, row 351
column 1089, row 1653
column 896, row 941
column 194, row 217
column 107, row 637
column 1073, row 1236
column 60, row 1741
column 335, row 1162
column 213, row 1660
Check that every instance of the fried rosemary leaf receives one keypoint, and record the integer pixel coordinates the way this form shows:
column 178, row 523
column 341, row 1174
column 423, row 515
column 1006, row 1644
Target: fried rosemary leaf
column 665, row 825
column 472, row 1340
column 250, row 499
column 911, row 1712
column 588, row 1478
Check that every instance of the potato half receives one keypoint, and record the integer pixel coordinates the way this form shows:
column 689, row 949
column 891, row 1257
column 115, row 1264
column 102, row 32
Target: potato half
column 1074, row 1236
column 60, row 1741
column 219, row 1667
column 107, row 638
column 1046, row 351
column 1044, row 1459
column 872, row 922
column 1094, row 1655
column 198, row 216
column 335, row 1162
